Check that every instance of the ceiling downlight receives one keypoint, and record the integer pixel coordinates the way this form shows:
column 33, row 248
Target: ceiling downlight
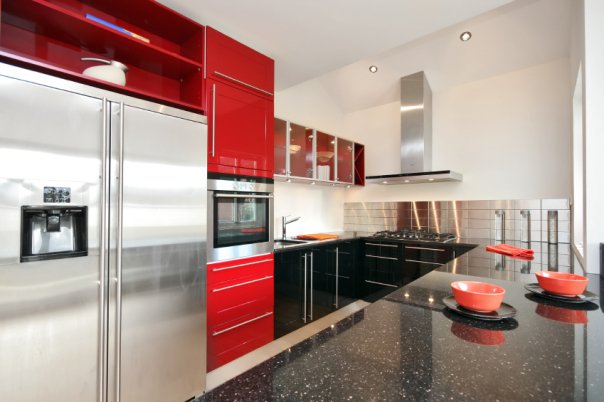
column 465, row 36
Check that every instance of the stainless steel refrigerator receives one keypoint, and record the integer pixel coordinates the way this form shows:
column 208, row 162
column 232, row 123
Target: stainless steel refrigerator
column 102, row 244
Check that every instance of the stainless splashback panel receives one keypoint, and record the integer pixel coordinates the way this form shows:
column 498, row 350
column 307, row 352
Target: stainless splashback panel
column 504, row 220
column 49, row 311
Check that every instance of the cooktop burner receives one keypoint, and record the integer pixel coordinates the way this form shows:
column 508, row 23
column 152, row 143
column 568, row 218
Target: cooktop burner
column 409, row 234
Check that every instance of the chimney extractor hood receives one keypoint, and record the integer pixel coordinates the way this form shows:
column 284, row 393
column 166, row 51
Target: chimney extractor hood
column 416, row 137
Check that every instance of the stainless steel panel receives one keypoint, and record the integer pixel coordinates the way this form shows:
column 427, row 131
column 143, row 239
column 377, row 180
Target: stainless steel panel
column 49, row 310
column 416, row 124
column 163, row 258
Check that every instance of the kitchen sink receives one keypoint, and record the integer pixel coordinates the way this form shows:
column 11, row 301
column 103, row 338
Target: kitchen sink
column 288, row 242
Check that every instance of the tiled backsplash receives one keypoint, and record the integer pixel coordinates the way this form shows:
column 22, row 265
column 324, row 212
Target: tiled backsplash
column 506, row 220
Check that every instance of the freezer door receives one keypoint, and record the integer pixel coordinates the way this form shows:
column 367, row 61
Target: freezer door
column 161, row 298
column 49, row 310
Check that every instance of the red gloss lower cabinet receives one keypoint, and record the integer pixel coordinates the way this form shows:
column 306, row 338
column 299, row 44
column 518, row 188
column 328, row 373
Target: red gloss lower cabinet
column 240, row 298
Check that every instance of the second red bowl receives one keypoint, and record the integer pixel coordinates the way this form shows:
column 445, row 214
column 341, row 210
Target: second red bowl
column 478, row 296
column 561, row 283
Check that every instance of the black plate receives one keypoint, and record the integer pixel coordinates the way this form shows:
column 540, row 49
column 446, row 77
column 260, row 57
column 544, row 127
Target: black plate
column 503, row 312
column 507, row 324
column 585, row 297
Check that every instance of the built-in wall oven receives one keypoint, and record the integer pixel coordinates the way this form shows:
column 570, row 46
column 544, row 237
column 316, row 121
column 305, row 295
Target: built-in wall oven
column 240, row 216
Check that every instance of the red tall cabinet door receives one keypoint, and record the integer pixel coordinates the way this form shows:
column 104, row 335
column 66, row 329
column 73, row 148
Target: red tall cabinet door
column 240, row 131
column 239, row 101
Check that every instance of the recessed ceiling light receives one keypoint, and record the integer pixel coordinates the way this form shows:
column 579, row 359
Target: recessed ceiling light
column 430, row 179
column 406, row 181
column 465, row 36
column 385, row 182
column 373, row 68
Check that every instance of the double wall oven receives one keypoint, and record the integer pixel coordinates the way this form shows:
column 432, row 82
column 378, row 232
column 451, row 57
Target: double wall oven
column 240, row 216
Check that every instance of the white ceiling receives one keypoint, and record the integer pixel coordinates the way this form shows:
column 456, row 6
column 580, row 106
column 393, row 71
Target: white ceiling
column 309, row 38
column 519, row 35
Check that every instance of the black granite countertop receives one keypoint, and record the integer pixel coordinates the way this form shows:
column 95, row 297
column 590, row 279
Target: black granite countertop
column 342, row 236
column 408, row 346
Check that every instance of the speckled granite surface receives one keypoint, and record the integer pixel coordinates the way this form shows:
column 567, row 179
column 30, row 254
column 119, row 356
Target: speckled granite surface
column 408, row 346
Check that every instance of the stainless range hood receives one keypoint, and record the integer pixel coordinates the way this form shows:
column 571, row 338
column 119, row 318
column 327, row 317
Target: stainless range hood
column 416, row 137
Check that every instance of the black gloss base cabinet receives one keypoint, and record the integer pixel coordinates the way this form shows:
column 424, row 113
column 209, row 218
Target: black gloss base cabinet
column 316, row 280
column 312, row 282
column 390, row 265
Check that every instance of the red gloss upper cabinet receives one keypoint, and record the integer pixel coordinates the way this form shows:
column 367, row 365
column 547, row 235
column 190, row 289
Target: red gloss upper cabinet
column 227, row 59
column 240, row 140
column 239, row 99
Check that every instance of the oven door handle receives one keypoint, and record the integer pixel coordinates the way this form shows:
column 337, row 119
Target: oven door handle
column 227, row 195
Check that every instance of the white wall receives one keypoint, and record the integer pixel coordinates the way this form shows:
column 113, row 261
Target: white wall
column 509, row 136
column 320, row 208
column 594, row 131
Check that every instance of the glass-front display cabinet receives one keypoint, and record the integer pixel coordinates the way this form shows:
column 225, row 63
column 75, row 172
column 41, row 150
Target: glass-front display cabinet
column 345, row 161
column 280, row 147
column 301, row 151
column 326, row 147
column 306, row 155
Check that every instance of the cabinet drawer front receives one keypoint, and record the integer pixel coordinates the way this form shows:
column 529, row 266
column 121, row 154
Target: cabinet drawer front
column 242, row 269
column 385, row 251
column 230, row 60
column 229, row 302
column 231, row 342
column 429, row 254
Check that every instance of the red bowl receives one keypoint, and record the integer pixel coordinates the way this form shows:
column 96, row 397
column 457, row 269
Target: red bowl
column 477, row 335
column 478, row 296
column 562, row 314
column 561, row 283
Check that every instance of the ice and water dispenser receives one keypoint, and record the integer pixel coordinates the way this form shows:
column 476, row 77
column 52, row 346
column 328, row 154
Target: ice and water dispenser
column 50, row 232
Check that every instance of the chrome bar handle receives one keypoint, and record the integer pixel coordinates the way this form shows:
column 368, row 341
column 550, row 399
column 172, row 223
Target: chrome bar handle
column 337, row 274
column 304, row 308
column 241, row 324
column 227, row 195
column 241, row 265
column 120, row 221
column 425, row 248
column 382, row 245
column 380, row 283
column 311, row 285
column 381, row 258
column 213, row 119
column 242, row 284
column 228, row 77
column 103, row 247
column 424, row 262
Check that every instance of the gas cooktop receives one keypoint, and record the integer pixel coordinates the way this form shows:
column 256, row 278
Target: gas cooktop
column 409, row 234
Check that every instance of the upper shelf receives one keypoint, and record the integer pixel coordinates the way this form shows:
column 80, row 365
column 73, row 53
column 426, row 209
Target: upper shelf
column 55, row 34
column 69, row 27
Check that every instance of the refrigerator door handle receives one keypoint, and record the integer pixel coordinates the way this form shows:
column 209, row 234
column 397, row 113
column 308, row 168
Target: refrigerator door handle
column 120, row 220
column 103, row 253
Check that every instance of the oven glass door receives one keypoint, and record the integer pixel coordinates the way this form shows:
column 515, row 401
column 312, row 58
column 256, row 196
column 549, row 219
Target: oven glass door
column 240, row 219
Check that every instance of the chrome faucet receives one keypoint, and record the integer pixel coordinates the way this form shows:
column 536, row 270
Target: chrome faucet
column 285, row 222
